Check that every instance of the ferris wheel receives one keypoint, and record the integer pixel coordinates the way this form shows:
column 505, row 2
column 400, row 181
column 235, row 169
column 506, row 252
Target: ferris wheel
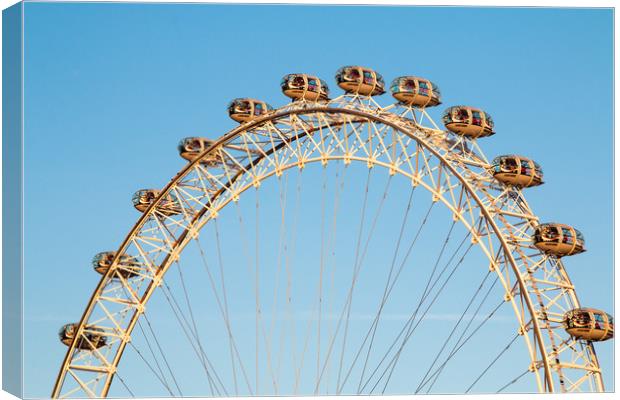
column 281, row 308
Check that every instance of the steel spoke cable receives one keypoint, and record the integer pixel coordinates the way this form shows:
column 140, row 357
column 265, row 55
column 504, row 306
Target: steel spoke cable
column 152, row 369
column 331, row 248
column 412, row 330
column 322, row 266
column 281, row 248
column 386, row 290
column 158, row 347
column 124, row 384
column 357, row 248
column 363, row 256
column 189, row 304
column 457, row 345
column 463, row 343
column 456, row 325
column 225, row 316
column 148, row 343
column 405, row 326
column 256, row 289
column 465, row 330
column 289, row 293
column 513, row 381
column 180, row 319
column 493, row 362
column 358, row 267
column 225, row 297
column 385, row 293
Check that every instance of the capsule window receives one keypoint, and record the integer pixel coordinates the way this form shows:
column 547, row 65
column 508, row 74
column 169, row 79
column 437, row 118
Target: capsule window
column 582, row 319
column 258, row 108
column 476, row 118
column 579, row 236
column 550, row 233
column 489, row 120
column 423, row 88
column 298, row 82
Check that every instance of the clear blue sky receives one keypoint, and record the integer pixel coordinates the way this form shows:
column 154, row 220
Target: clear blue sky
column 111, row 88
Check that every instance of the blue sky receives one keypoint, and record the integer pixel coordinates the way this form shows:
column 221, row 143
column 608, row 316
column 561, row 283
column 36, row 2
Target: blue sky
column 111, row 88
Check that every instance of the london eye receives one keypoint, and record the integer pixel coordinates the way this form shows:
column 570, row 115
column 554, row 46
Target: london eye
column 338, row 245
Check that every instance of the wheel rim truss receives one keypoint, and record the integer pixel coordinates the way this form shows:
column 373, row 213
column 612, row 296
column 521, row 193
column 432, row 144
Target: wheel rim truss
column 348, row 128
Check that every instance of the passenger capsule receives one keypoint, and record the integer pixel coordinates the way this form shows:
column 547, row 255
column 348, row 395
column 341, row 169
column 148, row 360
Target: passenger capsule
column 192, row 147
column 558, row 239
column 92, row 337
column 143, row 198
column 468, row 121
column 589, row 324
column 360, row 80
column 243, row 110
column 127, row 265
column 302, row 86
column 517, row 171
column 414, row 91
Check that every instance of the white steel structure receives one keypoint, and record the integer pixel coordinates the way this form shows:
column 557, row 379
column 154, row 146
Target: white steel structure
column 403, row 141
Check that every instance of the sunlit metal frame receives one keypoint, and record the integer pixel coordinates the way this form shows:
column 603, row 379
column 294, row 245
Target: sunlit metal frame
column 348, row 128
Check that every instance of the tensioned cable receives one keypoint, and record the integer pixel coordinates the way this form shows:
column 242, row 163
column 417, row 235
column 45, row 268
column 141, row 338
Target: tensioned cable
column 189, row 304
column 225, row 316
column 513, row 381
column 373, row 226
column 425, row 294
column 412, row 330
column 465, row 341
column 148, row 323
column 163, row 376
column 289, row 283
column 375, row 322
column 357, row 247
column 124, row 384
column 456, row 346
column 256, row 289
column 404, row 328
column 224, row 295
column 158, row 346
column 152, row 369
column 201, row 357
column 320, row 289
column 281, row 247
column 385, row 290
column 456, row 325
column 357, row 268
column 331, row 248
column 492, row 362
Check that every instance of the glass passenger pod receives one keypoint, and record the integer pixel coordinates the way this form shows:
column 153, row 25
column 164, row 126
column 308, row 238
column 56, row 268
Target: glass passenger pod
column 143, row 198
column 192, row 147
column 468, row 121
column 414, row 91
column 243, row 110
column 558, row 239
column 517, row 171
column 302, row 86
column 92, row 337
column 360, row 80
column 589, row 324
column 127, row 265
